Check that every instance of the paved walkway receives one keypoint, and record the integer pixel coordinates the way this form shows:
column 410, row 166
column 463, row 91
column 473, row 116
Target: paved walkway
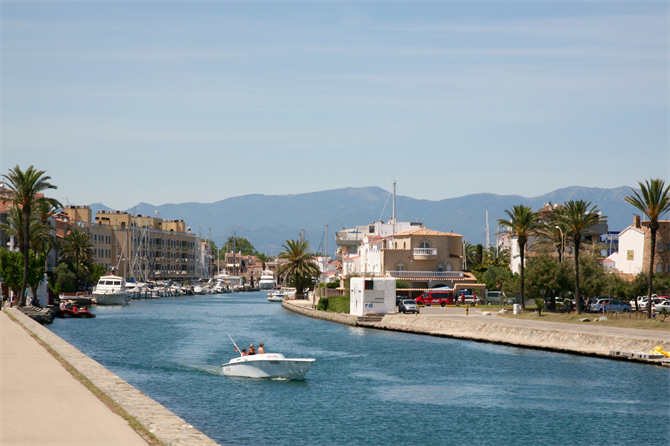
column 42, row 404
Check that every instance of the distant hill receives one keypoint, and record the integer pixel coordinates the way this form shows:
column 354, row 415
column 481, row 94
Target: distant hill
column 268, row 221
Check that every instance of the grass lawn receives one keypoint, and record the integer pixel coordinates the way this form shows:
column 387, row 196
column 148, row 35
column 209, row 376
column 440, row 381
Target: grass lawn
column 627, row 320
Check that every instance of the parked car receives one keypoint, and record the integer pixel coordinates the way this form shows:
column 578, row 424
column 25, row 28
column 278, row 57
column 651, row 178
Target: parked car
column 408, row 306
column 399, row 299
column 495, row 297
column 436, row 297
column 654, row 301
column 664, row 305
column 609, row 305
column 470, row 299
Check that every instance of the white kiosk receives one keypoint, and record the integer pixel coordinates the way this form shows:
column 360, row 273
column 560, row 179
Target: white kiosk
column 372, row 295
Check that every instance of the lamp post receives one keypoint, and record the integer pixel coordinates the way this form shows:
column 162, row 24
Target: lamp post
column 560, row 254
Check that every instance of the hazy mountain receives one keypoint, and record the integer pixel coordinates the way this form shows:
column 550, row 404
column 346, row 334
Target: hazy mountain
column 269, row 220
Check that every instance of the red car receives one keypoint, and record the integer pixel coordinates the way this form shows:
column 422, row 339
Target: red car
column 437, row 297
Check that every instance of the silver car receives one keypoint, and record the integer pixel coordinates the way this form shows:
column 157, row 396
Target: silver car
column 407, row 306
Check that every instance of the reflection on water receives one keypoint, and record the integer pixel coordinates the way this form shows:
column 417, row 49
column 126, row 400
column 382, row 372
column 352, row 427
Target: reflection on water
column 366, row 385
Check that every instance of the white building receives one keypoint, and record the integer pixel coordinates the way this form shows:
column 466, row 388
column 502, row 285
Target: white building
column 631, row 249
column 372, row 295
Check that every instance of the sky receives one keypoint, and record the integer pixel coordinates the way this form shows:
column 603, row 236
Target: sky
column 172, row 102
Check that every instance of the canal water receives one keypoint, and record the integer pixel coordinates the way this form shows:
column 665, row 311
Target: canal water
column 367, row 387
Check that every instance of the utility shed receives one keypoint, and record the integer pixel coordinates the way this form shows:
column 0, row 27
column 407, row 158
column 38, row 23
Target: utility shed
column 372, row 295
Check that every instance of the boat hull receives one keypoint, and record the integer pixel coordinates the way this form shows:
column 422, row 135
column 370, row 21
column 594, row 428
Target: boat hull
column 268, row 366
column 111, row 298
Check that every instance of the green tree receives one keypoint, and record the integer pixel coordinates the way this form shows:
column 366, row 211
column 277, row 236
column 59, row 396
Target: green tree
column 64, row 279
column 521, row 223
column 95, row 273
column 495, row 275
column 241, row 244
column 595, row 278
column 264, row 258
column 11, row 269
column 36, row 270
column 545, row 273
column 299, row 265
column 654, row 202
column 22, row 189
column 78, row 250
column 577, row 217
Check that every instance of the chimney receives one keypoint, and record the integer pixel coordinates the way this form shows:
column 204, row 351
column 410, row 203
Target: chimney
column 636, row 221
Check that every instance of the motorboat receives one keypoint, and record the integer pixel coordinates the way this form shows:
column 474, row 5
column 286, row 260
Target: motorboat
column 70, row 309
column 267, row 280
column 78, row 298
column 111, row 290
column 268, row 365
column 275, row 297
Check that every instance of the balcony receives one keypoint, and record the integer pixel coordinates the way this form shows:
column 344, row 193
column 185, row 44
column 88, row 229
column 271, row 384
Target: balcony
column 426, row 274
column 425, row 253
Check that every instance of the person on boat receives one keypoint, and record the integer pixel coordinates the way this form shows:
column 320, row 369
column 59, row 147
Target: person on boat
column 244, row 352
column 261, row 350
column 252, row 350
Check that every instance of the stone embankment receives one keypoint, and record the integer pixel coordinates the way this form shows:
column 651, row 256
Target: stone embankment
column 165, row 425
column 569, row 338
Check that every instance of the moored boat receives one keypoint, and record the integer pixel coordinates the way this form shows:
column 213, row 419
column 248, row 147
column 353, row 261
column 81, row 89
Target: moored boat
column 111, row 290
column 71, row 309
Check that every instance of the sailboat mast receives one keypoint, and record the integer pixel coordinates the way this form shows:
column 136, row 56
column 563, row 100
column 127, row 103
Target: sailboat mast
column 488, row 237
column 394, row 227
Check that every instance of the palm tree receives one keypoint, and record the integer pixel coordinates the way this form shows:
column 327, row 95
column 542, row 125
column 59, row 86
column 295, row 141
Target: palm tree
column 78, row 249
column 299, row 264
column 654, row 202
column 552, row 233
column 522, row 223
column 22, row 189
column 577, row 217
column 263, row 258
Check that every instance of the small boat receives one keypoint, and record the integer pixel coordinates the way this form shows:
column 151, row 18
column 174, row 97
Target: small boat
column 267, row 365
column 275, row 297
column 70, row 309
column 79, row 298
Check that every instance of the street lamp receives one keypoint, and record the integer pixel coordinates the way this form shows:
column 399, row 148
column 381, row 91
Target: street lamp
column 560, row 256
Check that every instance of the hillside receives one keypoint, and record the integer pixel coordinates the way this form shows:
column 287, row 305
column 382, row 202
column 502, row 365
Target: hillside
column 269, row 220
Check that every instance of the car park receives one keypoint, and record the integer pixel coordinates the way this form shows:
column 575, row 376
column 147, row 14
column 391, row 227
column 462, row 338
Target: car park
column 408, row 306
column 610, row 305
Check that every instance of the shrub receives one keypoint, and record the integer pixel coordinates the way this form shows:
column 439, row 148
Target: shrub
column 401, row 284
column 334, row 304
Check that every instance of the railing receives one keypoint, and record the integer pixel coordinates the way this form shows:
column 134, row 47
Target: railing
column 425, row 251
column 426, row 274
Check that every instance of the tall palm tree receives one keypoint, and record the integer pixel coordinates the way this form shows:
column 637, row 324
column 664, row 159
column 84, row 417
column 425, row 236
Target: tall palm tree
column 522, row 223
column 654, row 202
column 22, row 189
column 577, row 217
column 299, row 264
column 78, row 249
column 552, row 233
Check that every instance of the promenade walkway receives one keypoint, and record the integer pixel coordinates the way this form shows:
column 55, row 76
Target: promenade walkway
column 42, row 404
column 586, row 338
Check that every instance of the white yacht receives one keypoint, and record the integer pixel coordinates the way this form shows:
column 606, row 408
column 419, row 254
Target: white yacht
column 268, row 365
column 267, row 281
column 111, row 290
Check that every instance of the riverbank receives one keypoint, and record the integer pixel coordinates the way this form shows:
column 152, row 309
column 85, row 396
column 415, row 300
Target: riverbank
column 43, row 404
column 583, row 339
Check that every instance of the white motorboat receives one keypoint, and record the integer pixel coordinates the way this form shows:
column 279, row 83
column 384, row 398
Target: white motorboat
column 111, row 290
column 272, row 297
column 267, row 280
column 268, row 365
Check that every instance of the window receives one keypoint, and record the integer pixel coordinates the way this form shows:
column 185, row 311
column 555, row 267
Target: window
column 659, row 246
column 667, row 246
column 667, row 267
column 630, row 254
column 400, row 267
column 659, row 267
column 424, row 245
column 440, row 268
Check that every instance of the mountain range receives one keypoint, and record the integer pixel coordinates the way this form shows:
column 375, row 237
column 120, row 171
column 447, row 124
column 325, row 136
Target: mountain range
column 267, row 221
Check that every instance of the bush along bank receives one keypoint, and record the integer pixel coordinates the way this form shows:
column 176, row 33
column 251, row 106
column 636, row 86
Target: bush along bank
column 334, row 304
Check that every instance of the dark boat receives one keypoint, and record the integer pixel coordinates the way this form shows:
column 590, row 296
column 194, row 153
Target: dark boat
column 70, row 309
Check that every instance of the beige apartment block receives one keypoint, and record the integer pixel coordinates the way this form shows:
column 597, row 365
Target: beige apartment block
column 142, row 247
column 662, row 252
